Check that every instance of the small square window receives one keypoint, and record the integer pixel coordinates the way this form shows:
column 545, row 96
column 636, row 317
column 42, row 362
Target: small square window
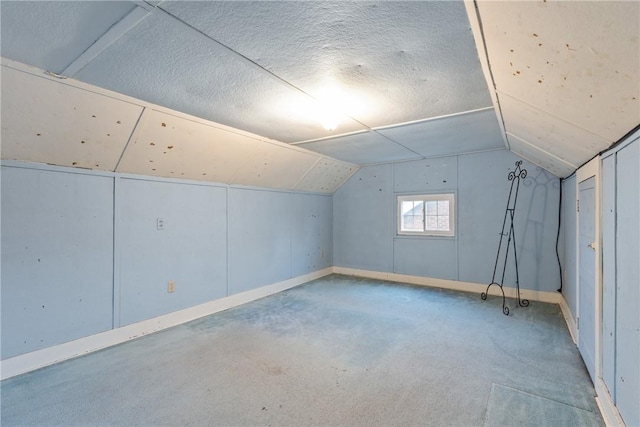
column 426, row 214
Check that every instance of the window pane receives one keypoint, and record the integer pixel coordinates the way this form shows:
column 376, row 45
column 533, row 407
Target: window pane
column 411, row 207
column 432, row 207
column 443, row 207
column 412, row 223
column 412, row 215
column 432, row 222
column 443, row 223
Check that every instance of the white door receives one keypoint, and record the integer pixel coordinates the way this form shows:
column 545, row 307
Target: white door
column 587, row 274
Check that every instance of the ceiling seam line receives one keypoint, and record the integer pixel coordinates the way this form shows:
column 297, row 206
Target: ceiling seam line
column 552, row 115
column 430, row 119
column 441, row 156
column 75, row 84
column 325, row 138
column 117, row 30
column 493, row 80
column 235, row 52
column 535, row 147
column 387, row 127
column 394, row 141
column 304, row 175
column 133, row 132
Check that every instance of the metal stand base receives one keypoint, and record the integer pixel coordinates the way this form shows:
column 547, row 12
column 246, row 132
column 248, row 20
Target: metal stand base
column 521, row 302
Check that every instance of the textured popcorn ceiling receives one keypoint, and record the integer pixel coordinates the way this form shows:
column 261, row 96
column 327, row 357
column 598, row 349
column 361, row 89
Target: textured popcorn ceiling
column 362, row 82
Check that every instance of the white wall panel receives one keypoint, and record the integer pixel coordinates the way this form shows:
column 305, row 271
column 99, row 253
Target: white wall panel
column 575, row 60
column 47, row 121
column 550, row 134
column 274, row 166
column 326, row 176
column 541, row 158
column 170, row 146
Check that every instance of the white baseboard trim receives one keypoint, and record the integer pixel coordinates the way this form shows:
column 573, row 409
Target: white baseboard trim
column 607, row 408
column 542, row 296
column 48, row 356
column 568, row 318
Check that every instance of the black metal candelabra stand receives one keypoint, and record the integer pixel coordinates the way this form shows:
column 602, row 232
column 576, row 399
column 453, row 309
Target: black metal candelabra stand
column 509, row 233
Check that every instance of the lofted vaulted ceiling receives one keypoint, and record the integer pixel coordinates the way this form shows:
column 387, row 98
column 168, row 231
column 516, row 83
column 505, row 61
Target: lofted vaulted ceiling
column 297, row 94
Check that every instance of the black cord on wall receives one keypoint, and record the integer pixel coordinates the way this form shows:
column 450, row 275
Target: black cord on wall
column 558, row 235
column 620, row 141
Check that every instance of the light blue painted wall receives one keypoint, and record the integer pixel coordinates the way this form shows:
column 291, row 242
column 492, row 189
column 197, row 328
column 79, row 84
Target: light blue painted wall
column 191, row 250
column 620, row 233
column 365, row 220
column 274, row 236
column 608, row 228
column 569, row 224
column 628, row 283
column 259, row 238
column 57, row 258
column 425, row 256
column 311, row 233
column 482, row 198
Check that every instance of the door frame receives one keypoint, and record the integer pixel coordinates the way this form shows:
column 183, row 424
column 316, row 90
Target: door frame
column 603, row 398
column 589, row 170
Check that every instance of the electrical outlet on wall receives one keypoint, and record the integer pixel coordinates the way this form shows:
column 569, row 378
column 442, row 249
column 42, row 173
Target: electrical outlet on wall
column 171, row 286
column 159, row 223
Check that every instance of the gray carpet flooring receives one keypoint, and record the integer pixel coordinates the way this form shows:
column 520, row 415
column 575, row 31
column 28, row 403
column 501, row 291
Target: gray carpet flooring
column 336, row 351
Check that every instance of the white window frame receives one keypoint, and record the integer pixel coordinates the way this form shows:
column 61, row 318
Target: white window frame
column 428, row 198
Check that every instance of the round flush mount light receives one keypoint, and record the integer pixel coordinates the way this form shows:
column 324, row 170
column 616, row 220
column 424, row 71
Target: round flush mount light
column 328, row 106
column 337, row 104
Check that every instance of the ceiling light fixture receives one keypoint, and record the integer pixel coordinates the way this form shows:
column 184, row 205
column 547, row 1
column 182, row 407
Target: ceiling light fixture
column 329, row 106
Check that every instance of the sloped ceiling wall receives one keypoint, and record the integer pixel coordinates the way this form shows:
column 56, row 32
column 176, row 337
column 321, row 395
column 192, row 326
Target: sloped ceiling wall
column 566, row 75
column 68, row 123
column 556, row 82
column 275, row 69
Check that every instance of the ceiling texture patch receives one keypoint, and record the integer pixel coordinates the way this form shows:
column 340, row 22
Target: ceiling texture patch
column 567, row 74
column 46, row 121
column 50, row 35
column 168, row 63
column 463, row 133
column 408, row 61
